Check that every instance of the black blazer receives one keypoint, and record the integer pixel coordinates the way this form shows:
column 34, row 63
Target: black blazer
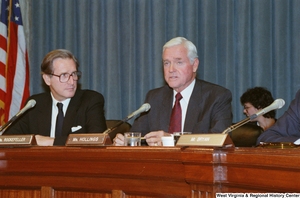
column 208, row 111
column 86, row 109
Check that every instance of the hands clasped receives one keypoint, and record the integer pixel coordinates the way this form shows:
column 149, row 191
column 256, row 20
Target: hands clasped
column 153, row 138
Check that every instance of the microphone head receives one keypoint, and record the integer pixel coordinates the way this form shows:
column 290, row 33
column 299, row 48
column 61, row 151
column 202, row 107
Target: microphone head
column 277, row 104
column 31, row 103
column 280, row 103
column 146, row 107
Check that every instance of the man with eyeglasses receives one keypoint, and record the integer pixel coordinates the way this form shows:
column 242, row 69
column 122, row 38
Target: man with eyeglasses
column 63, row 110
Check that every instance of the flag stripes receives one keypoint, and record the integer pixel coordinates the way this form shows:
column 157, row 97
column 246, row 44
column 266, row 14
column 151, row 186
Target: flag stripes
column 14, row 66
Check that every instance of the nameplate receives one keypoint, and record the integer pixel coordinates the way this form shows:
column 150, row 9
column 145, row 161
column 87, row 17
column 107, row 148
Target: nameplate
column 17, row 140
column 88, row 139
column 214, row 140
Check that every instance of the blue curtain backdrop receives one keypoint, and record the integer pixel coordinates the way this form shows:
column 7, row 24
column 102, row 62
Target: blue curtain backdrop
column 241, row 44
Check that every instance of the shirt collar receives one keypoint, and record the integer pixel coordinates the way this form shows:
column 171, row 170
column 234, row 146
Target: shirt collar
column 64, row 102
column 187, row 92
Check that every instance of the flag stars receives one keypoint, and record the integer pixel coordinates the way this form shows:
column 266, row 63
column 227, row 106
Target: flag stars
column 17, row 5
column 16, row 18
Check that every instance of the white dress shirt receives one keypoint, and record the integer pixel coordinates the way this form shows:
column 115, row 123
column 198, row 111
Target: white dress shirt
column 55, row 112
column 186, row 95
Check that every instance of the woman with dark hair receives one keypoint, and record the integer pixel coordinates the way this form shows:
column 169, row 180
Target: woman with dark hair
column 254, row 100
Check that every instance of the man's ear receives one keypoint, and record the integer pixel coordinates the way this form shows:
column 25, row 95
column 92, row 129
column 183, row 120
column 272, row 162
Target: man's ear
column 46, row 79
column 195, row 65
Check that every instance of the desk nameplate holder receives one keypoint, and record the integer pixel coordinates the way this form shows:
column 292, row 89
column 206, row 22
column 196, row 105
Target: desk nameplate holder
column 88, row 139
column 17, row 140
column 215, row 140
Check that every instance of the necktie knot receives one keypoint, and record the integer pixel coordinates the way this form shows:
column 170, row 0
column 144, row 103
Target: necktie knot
column 178, row 96
column 59, row 106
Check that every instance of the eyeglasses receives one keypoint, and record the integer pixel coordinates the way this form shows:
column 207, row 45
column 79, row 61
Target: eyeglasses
column 64, row 77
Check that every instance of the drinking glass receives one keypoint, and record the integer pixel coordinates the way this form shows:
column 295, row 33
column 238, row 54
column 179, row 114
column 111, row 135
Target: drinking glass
column 132, row 139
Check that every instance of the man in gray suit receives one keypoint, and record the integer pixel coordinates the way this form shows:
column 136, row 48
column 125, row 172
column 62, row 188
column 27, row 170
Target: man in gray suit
column 82, row 110
column 206, row 107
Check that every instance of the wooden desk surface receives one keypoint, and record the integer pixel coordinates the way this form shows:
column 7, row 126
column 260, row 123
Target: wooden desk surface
column 145, row 171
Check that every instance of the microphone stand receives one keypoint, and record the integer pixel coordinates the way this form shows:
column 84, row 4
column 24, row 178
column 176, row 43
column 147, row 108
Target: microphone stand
column 237, row 125
column 104, row 138
column 110, row 129
column 144, row 108
column 7, row 124
column 277, row 104
column 31, row 103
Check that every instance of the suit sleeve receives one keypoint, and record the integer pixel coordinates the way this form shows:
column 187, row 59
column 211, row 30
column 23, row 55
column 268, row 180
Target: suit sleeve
column 95, row 119
column 287, row 127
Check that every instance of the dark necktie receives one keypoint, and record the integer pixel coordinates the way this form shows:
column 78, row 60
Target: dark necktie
column 59, row 120
column 175, row 121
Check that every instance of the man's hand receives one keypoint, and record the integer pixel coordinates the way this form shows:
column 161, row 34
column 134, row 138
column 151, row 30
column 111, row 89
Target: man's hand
column 119, row 140
column 154, row 138
column 44, row 140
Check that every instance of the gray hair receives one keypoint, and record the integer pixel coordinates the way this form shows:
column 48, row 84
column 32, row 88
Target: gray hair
column 191, row 48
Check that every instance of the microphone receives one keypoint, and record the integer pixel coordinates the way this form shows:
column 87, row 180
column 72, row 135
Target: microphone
column 277, row 104
column 31, row 103
column 144, row 108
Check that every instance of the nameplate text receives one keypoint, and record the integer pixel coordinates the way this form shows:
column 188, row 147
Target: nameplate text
column 88, row 139
column 214, row 140
column 17, row 140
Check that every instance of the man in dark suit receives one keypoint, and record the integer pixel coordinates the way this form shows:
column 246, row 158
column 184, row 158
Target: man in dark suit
column 205, row 107
column 82, row 110
column 287, row 127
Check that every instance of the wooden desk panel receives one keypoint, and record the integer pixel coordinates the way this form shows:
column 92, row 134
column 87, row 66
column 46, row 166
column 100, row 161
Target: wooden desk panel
column 245, row 169
column 50, row 172
column 140, row 171
column 266, row 170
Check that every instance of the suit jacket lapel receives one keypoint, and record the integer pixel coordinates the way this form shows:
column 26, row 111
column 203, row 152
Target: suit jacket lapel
column 194, row 107
column 166, row 110
column 71, row 113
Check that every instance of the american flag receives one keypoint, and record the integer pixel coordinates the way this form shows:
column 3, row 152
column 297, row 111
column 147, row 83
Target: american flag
column 14, row 66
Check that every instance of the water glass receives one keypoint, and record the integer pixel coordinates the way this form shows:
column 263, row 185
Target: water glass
column 132, row 139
